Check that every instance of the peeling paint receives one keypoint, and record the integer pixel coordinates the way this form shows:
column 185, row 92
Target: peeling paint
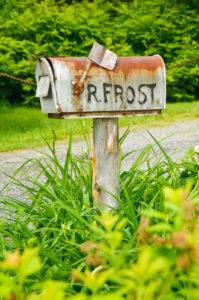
column 105, row 161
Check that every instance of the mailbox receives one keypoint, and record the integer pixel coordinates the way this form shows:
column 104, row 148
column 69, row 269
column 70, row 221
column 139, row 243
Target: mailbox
column 137, row 85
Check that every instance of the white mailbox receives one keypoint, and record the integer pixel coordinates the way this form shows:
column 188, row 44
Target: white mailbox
column 137, row 85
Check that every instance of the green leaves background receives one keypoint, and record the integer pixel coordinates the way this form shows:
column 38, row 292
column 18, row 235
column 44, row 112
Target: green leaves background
column 30, row 28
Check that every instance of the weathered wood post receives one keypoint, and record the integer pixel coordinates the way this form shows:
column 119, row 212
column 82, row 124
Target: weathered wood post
column 105, row 161
column 78, row 88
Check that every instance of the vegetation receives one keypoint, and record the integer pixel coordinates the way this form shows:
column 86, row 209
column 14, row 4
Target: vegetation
column 32, row 28
column 22, row 127
column 58, row 245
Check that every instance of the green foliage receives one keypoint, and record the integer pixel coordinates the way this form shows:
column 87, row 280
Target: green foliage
column 50, row 28
column 165, row 265
column 148, row 249
column 12, row 286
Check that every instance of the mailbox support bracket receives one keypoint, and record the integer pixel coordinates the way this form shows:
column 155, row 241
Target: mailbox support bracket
column 105, row 114
column 105, row 162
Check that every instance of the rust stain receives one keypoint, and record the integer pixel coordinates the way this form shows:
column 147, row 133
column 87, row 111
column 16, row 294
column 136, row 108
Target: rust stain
column 97, row 191
column 77, row 103
column 77, row 89
column 124, row 65
column 76, row 99
column 97, row 194
column 129, row 64
column 76, row 63
column 105, row 113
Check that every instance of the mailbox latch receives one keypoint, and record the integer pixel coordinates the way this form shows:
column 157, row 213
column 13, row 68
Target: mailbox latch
column 43, row 86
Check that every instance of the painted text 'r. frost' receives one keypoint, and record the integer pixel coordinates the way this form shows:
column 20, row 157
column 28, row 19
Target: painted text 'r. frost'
column 143, row 93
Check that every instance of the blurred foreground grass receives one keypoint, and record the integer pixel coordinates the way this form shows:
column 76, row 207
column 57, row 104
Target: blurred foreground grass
column 22, row 127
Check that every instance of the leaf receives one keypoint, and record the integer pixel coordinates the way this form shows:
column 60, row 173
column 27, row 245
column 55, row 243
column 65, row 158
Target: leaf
column 160, row 227
column 7, row 285
column 12, row 261
column 53, row 290
column 30, row 262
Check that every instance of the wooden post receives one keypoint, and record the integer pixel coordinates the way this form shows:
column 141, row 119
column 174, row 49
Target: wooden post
column 105, row 162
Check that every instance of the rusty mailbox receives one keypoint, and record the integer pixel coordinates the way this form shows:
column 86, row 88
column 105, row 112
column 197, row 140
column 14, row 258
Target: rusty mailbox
column 137, row 85
column 77, row 87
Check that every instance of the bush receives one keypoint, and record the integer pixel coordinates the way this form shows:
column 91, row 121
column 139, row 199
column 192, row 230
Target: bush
column 50, row 28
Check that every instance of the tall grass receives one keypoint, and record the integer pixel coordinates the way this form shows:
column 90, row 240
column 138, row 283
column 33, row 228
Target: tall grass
column 58, row 212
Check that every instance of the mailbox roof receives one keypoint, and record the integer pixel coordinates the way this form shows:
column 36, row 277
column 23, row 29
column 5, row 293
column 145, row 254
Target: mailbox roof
column 124, row 64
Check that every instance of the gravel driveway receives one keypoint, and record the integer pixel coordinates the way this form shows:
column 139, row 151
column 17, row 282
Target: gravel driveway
column 175, row 139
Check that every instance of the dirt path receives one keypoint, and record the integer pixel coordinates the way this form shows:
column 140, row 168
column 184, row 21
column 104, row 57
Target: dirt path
column 175, row 139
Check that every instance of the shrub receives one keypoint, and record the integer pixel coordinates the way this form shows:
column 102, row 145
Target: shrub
column 50, row 28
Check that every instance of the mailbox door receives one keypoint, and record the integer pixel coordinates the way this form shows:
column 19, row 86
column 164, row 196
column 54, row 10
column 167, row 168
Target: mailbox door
column 45, row 86
column 53, row 86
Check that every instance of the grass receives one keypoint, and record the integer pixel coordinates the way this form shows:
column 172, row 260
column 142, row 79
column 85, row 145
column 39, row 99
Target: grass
column 148, row 249
column 22, row 127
